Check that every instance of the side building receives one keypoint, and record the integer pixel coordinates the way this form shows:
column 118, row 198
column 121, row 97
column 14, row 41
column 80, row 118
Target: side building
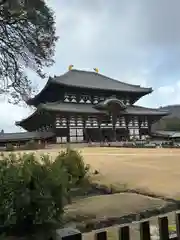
column 87, row 106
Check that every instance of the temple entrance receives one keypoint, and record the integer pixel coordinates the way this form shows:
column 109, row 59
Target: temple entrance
column 143, row 133
column 107, row 134
column 92, row 135
column 62, row 135
column 96, row 135
column 121, row 134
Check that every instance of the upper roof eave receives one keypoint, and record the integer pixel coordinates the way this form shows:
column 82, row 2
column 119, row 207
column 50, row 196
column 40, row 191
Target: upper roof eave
column 76, row 78
column 31, row 100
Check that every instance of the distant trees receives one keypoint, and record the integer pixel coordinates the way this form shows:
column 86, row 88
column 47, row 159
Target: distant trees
column 27, row 41
column 168, row 124
column 172, row 124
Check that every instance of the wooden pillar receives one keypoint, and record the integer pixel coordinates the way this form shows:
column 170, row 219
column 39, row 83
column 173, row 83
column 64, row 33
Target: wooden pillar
column 139, row 123
column 68, row 128
column 114, row 119
column 149, row 124
column 127, row 119
column 85, row 129
column 100, row 130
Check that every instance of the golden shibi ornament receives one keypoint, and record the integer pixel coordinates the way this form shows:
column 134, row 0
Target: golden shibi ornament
column 70, row 67
column 96, row 70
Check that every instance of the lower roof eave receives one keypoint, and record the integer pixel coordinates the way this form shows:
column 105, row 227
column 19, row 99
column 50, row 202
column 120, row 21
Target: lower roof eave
column 142, row 111
column 145, row 114
column 70, row 108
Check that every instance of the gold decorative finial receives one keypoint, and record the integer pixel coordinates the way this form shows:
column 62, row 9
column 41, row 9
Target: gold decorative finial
column 96, row 70
column 70, row 67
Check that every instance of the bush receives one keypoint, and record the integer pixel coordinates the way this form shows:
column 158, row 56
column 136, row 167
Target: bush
column 76, row 170
column 73, row 162
column 34, row 191
column 9, row 147
column 31, row 194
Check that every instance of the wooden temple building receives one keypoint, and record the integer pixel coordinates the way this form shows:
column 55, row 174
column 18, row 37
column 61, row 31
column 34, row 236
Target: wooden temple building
column 83, row 106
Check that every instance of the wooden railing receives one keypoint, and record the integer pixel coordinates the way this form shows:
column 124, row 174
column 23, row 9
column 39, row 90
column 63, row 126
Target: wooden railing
column 144, row 226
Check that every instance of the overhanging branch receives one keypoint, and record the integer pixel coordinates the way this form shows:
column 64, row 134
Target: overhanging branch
column 2, row 2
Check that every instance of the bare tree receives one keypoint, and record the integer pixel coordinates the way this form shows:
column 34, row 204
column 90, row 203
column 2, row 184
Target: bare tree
column 27, row 41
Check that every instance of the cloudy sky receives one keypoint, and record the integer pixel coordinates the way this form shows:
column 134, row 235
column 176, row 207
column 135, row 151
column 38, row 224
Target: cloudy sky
column 136, row 41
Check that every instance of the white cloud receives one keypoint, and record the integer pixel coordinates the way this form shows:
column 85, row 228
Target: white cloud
column 169, row 94
column 10, row 114
column 166, row 90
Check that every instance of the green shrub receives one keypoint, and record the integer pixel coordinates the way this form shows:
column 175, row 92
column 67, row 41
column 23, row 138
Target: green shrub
column 9, row 147
column 34, row 190
column 73, row 162
column 31, row 193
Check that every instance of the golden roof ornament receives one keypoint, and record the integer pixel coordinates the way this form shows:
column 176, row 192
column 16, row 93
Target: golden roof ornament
column 96, row 70
column 70, row 67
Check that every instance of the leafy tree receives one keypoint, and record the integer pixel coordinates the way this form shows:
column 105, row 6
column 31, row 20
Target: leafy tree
column 172, row 124
column 27, row 41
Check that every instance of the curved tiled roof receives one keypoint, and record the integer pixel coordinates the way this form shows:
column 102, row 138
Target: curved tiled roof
column 91, row 80
column 94, row 80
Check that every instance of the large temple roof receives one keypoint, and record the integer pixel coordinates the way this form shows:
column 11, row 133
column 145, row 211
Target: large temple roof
column 94, row 80
column 86, row 80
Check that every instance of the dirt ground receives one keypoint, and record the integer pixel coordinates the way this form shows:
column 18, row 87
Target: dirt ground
column 154, row 170
column 113, row 205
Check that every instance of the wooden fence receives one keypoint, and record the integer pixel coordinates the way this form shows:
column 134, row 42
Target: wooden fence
column 144, row 226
